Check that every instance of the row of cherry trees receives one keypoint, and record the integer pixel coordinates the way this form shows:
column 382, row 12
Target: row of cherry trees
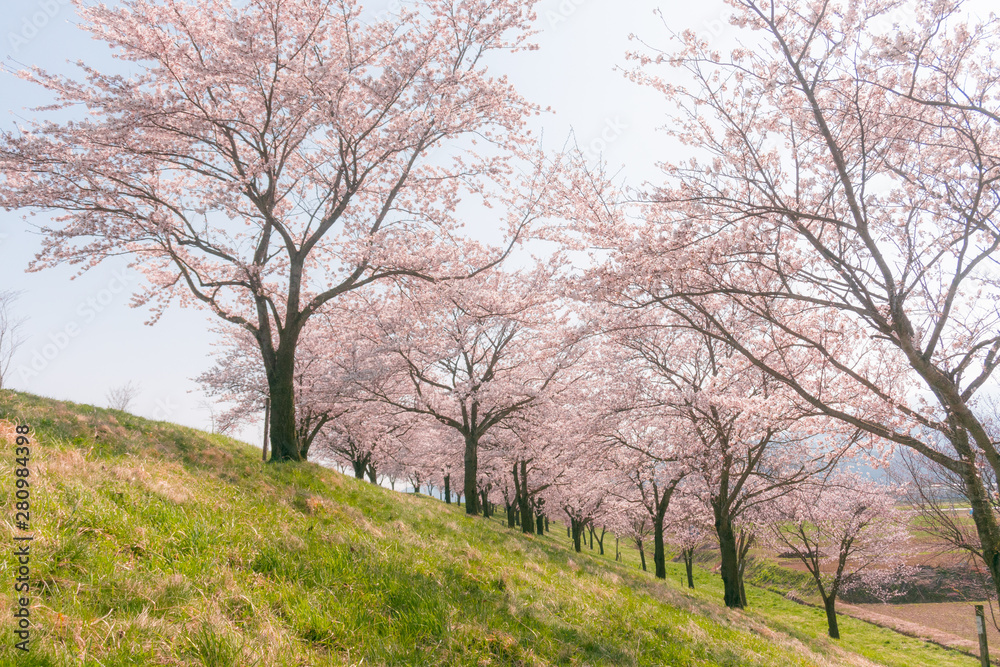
column 812, row 282
column 501, row 388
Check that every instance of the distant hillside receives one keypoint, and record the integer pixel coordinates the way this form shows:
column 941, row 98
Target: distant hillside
column 156, row 544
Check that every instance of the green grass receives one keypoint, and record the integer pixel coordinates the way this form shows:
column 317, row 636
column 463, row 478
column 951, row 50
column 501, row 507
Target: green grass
column 161, row 545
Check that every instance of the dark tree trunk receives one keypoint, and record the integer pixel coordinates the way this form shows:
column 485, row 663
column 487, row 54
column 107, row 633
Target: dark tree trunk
column 590, row 529
column 689, row 566
column 484, row 503
column 577, row 527
column 546, row 523
column 569, row 533
column 743, row 545
column 600, row 541
column 539, row 524
column 510, row 516
column 359, row 468
column 659, row 549
column 447, row 489
column 642, row 553
column 281, row 390
column 372, row 475
column 471, row 474
column 730, row 561
column 523, row 501
column 985, row 519
column 831, row 616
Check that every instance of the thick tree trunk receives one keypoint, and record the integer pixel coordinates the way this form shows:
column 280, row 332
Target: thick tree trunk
column 577, row 527
column 659, row 549
column 510, row 516
column 372, row 474
column 471, row 474
column 281, row 390
column 986, row 523
column 730, row 561
column 539, row 524
column 359, row 468
column 689, row 566
column 447, row 489
column 831, row 616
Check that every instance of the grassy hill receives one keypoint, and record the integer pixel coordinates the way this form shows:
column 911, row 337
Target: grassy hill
column 157, row 544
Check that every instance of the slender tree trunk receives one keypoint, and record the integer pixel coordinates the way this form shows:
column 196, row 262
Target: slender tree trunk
column 730, row 561
column 590, row 529
column 540, row 524
column 743, row 545
column 689, row 566
column 600, row 541
column 471, row 474
column 447, row 489
column 546, row 523
column 831, row 616
column 523, row 501
column 510, row 516
column 642, row 553
column 568, row 531
column 484, row 503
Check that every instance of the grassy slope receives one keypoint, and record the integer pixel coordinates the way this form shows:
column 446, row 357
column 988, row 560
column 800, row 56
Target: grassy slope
column 161, row 545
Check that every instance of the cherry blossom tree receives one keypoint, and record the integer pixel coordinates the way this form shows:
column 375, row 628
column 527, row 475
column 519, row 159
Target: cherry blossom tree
column 741, row 435
column 581, row 497
column 847, row 531
column 835, row 223
column 475, row 354
column 647, row 456
column 689, row 527
column 261, row 159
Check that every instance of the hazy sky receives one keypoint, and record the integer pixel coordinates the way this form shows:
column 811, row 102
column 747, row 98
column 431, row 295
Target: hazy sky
column 81, row 335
